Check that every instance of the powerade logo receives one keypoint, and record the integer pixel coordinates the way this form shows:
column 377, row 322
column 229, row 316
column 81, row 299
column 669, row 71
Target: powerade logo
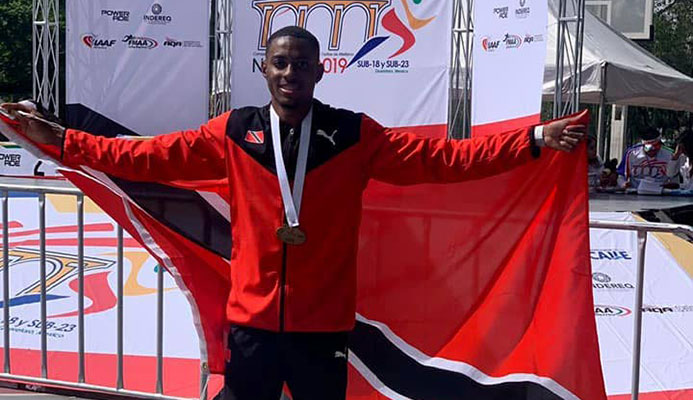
column 610, row 255
column 117, row 15
column 501, row 12
column 611, row 311
column 94, row 42
column 140, row 42
column 156, row 17
column 601, row 280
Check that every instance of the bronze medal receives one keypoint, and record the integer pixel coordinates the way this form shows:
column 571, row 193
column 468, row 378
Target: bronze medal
column 291, row 235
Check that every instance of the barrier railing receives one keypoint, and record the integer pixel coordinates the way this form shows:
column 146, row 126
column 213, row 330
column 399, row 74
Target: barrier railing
column 642, row 228
column 61, row 188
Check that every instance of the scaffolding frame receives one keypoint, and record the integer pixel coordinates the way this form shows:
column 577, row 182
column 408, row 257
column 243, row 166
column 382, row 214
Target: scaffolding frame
column 45, row 33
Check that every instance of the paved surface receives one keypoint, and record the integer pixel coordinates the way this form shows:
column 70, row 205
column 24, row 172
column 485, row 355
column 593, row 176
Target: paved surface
column 11, row 394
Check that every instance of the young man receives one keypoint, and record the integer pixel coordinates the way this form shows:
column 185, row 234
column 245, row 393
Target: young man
column 644, row 166
column 293, row 261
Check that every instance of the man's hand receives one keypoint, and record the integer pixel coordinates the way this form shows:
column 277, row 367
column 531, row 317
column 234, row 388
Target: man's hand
column 564, row 134
column 34, row 126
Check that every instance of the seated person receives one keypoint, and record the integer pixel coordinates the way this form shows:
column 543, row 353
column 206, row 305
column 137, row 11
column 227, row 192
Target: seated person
column 595, row 166
column 610, row 174
column 680, row 164
column 644, row 166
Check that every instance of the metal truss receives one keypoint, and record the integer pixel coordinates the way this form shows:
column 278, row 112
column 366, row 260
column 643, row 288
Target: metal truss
column 570, row 27
column 570, row 33
column 220, row 97
column 459, row 110
column 45, row 56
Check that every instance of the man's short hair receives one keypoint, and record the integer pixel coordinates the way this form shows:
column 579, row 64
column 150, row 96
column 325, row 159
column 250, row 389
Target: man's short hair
column 296, row 32
column 685, row 139
column 649, row 133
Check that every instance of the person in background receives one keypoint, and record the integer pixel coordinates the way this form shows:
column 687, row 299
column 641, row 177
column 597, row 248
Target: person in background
column 595, row 166
column 680, row 163
column 645, row 164
column 610, row 174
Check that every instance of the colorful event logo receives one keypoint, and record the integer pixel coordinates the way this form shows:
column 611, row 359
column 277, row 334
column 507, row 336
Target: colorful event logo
column 378, row 13
column 62, row 268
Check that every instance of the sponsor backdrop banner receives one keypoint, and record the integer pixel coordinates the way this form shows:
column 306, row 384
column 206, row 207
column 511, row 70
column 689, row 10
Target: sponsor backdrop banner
column 14, row 160
column 181, row 344
column 509, row 54
column 388, row 58
column 137, row 67
column 667, row 355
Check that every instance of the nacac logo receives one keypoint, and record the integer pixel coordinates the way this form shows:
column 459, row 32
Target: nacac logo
column 378, row 13
column 611, row 311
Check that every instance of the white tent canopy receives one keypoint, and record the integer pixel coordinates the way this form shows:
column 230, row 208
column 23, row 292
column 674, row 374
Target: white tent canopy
column 633, row 76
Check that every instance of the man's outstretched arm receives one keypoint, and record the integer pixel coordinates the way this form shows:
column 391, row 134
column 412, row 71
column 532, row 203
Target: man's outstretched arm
column 404, row 158
column 186, row 155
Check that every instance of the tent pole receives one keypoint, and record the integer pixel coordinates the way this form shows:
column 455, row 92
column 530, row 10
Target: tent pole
column 601, row 123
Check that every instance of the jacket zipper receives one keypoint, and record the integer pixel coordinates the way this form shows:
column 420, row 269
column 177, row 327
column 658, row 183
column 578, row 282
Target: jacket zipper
column 282, row 289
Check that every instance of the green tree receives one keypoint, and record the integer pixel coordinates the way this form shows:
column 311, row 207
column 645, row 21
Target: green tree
column 673, row 44
column 15, row 49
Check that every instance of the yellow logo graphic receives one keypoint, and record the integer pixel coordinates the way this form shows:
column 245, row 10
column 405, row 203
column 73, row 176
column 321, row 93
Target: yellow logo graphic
column 59, row 266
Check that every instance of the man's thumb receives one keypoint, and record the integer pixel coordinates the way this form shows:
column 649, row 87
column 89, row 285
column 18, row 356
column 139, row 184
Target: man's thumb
column 579, row 118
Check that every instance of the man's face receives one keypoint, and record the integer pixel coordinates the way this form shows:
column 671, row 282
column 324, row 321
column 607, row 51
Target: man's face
column 292, row 69
column 652, row 147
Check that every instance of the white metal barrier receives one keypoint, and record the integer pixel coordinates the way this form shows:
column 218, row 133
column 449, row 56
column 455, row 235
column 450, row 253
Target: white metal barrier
column 642, row 228
column 118, row 389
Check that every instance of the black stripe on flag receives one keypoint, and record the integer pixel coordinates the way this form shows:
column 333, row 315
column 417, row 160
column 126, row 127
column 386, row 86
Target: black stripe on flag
column 404, row 375
column 183, row 211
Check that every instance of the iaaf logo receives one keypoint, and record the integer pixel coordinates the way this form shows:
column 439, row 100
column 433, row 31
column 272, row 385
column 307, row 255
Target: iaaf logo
column 509, row 41
column 490, row 45
column 377, row 13
column 93, row 42
column 140, row 42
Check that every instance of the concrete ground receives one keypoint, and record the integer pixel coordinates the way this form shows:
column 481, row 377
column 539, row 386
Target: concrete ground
column 12, row 394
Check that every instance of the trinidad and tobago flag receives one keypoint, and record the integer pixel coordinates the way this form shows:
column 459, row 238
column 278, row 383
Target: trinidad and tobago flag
column 477, row 290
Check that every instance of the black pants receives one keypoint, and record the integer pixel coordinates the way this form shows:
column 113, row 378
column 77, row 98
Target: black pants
column 313, row 365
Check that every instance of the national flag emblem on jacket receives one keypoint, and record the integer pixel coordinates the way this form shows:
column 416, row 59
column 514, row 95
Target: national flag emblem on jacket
column 255, row 137
column 475, row 290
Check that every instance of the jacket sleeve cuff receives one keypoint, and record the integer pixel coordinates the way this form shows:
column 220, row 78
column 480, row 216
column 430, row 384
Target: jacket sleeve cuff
column 536, row 140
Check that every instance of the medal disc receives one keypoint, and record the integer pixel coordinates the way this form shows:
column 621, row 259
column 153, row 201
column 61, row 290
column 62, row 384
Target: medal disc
column 293, row 236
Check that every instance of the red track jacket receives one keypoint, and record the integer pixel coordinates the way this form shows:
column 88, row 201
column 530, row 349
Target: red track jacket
column 310, row 287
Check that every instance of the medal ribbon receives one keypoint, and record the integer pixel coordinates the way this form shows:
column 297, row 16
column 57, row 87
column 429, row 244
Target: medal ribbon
column 292, row 202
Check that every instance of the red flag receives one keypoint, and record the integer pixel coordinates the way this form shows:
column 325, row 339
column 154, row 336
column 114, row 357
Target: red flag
column 474, row 290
